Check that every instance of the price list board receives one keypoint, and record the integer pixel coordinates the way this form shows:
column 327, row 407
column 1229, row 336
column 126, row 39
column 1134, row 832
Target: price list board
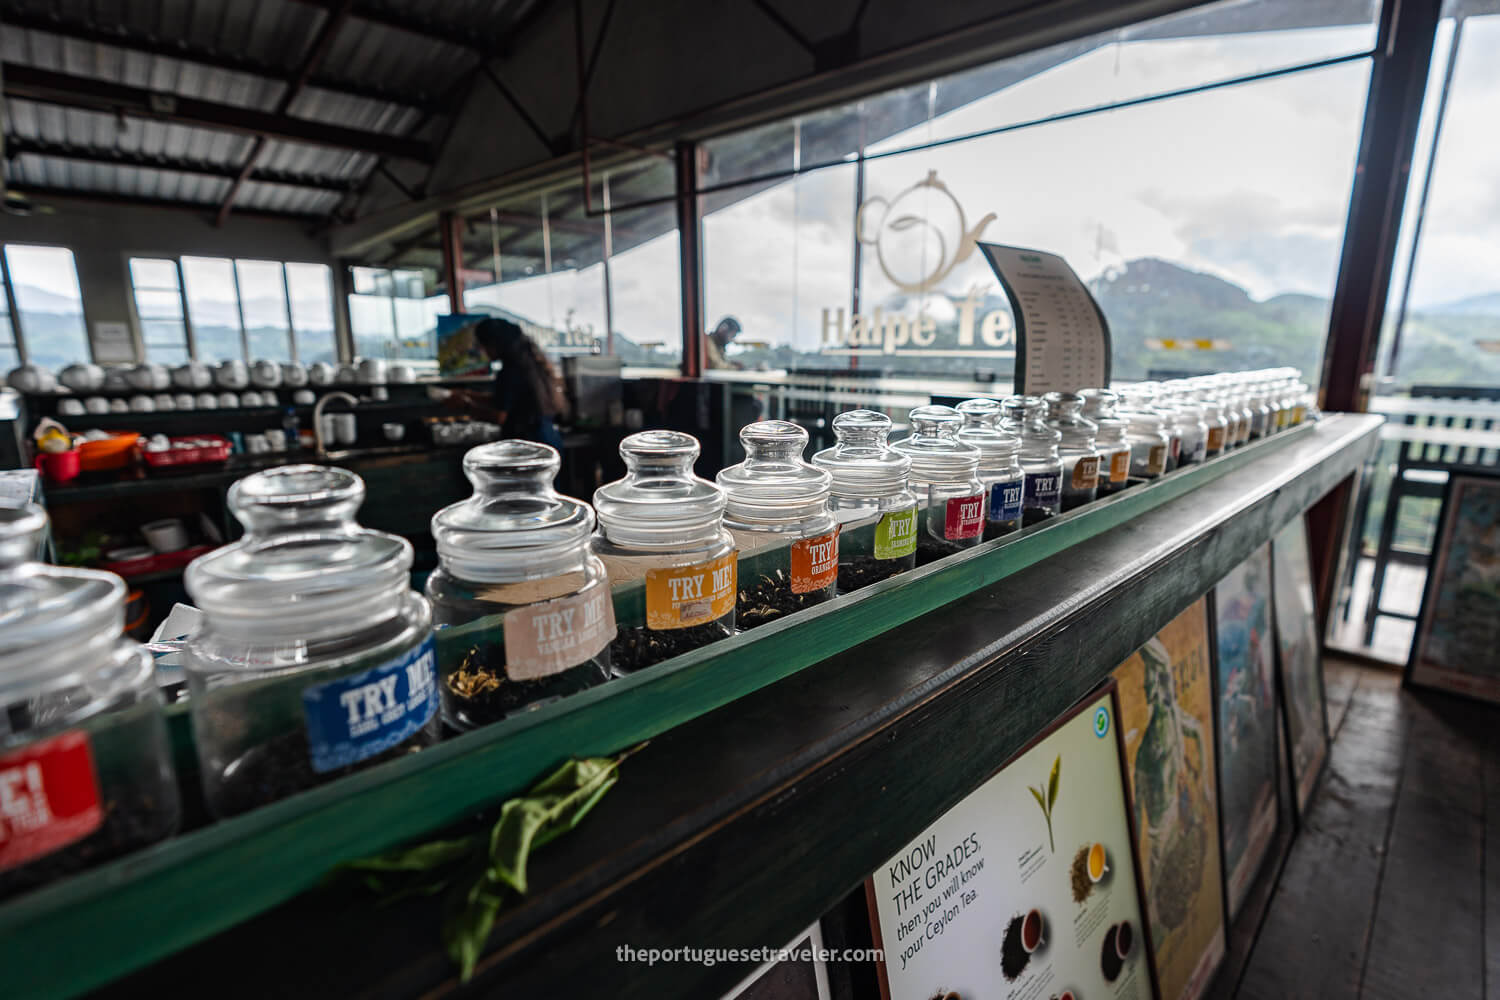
column 1062, row 338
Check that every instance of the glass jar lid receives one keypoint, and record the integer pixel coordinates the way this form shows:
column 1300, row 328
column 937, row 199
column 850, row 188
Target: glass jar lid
column 863, row 464
column 659, row 496
column 937, row 456
column 304, row 565
column 515, row 526
column 48, row 613
column 773, row 483
column 1025, row 415
column 1099, row 406
column 980, row 428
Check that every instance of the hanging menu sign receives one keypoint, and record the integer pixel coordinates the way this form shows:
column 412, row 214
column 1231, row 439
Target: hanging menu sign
column 1062, row 338
column 1027, row 888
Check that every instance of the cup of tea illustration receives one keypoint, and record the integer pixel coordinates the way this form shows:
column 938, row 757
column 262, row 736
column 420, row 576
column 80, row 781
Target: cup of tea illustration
column 1098, row 863
column 1033, row 931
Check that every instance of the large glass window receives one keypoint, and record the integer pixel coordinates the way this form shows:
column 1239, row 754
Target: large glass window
column 579, row 276
column 391, row 314
column 10, row 353
column 1195, row 171
column 49, row 306
column 258, row 309
column 1439, row 357
column 156, row 285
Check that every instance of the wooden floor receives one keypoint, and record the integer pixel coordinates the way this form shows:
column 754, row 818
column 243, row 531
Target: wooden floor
column 1391, row 889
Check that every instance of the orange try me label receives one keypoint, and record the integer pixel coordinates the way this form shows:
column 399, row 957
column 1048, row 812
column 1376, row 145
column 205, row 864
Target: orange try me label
column 1119, row 466
column 815, row 563
column 690, row 595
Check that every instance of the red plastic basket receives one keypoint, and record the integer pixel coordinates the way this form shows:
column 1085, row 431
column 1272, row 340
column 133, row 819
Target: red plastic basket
column 218, row 451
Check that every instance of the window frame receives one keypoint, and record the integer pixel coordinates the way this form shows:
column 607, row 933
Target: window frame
column 294, row 348
column 189, row 339
column 12, row 307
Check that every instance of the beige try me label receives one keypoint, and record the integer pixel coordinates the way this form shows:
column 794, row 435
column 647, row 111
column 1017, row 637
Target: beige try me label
column 550, row 637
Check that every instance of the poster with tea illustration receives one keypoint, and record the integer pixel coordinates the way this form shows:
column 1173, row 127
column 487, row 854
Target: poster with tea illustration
column 1298, row 658
column 1166, row 724
column 1457, row 646
column 1027, row 888
column 1246, row 720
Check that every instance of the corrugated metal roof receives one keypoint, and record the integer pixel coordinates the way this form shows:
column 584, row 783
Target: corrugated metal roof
column 205, row 49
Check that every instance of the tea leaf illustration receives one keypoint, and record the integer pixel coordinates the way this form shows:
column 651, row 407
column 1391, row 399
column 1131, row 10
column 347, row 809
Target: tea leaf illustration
column 1039, row 800
column 1052, row 783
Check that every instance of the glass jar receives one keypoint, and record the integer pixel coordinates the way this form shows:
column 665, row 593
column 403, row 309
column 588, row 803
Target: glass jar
column 1261, row 415
column 662, row 541
column 1000, row 469
column 776, row 509
column 945, row 478
column 1192, row 426
column 315, row 657
column 1148, row 443
column 520, row 603
column 1076, row 448
column 1245, row 417
column 1303, row 402
column 85, row 768
column 1041, row 494
column 869, row 499
column 1111, row 442
column 1217, row 440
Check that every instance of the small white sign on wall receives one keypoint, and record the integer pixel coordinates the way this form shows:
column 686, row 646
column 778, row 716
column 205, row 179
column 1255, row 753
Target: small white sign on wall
column 113, row 343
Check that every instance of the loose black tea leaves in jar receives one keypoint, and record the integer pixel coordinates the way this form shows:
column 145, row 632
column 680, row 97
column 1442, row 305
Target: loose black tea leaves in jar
column 521, row 604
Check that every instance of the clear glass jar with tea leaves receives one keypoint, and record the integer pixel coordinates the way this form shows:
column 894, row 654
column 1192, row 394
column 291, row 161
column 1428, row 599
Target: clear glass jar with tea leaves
column 1041, row 497
column 776, row 509
column 945, row 478
column 999, row 464
column 85, row 768
column 520, row 603
column 670, row 561
column 316, row 657
column 869, row 499
column 1111, row 442
column 1075, row 447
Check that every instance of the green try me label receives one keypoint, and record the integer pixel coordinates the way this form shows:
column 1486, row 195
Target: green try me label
column 896, row 535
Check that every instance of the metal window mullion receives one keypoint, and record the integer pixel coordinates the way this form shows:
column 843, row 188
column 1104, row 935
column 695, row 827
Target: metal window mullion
column 239, row 309
column 187, row 322
column 286, row 296
column 17, row 340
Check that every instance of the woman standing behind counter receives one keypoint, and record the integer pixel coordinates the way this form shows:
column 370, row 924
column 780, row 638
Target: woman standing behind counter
column 527, row 399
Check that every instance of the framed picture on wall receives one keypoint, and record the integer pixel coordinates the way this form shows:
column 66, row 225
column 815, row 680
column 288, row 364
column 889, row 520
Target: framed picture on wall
column 1299, row 660
column 1245, row 721
column 1457, row 645
column 1166, row 696
column 1027, row 887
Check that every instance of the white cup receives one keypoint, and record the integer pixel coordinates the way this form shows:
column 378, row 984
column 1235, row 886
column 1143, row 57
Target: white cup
column 393, row 431
column 276, row 438
column 256, row 444
column 166, row 535
column 344, row 427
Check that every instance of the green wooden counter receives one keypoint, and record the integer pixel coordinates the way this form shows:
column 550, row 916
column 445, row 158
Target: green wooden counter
column 787, row 763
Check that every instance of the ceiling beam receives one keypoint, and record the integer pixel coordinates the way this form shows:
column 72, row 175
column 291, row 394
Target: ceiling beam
column 316, row 53
column 117, row 36
column 18, row 146
column 42, row 191
column 48, row 87
column 398, row 20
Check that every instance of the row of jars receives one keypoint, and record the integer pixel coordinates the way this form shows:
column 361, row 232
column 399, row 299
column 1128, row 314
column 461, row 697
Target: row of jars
column 316, row 658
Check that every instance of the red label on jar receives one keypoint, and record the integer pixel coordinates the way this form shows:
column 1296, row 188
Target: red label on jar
column 964, row 517
column 49, row 798
column 815, row 563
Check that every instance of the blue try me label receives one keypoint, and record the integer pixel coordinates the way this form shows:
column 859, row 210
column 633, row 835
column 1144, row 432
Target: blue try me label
column 1005, row 501
column 364, row 714
column 1044, row 490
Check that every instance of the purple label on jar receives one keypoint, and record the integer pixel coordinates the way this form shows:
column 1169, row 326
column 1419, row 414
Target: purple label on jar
column 1044, row 489
column 364, row 714
column 1005, row 501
